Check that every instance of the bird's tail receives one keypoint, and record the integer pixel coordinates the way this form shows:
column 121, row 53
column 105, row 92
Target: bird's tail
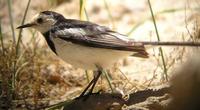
column 170, row 43
column 143, row 54
column 142, row 51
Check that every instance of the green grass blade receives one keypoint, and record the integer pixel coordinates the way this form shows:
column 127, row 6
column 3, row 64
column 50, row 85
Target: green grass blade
column 154, row 21
column 11, row 21
column 109, row 80
column 158, row 37
column 172, row 10
column 20, row 31
column 82, row 8
column 86, row 14
column 1, row 38
column 87, row 76
column 109, row 14
column 12, row 81
column 135, row 27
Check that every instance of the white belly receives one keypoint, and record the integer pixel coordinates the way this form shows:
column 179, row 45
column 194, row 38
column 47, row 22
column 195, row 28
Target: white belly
column 88, row 57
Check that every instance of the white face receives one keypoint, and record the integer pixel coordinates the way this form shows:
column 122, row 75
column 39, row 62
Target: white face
column 42, row 22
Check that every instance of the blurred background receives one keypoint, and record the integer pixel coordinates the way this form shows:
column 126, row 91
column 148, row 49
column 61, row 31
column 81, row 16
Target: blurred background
column 31, row 76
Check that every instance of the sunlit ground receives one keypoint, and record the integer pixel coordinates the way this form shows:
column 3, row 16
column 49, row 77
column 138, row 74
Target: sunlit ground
column 43, row 77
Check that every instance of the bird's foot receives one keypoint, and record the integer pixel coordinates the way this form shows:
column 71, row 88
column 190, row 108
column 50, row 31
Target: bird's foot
column 88, row 94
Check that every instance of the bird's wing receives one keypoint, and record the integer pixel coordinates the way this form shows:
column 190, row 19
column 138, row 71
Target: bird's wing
column 92, row 35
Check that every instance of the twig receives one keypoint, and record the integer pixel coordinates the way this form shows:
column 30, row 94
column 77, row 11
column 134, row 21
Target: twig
column 170, row 43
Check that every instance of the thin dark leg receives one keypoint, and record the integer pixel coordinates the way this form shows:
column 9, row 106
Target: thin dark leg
column 85, row 90
column 93, row 82
column 99, row 72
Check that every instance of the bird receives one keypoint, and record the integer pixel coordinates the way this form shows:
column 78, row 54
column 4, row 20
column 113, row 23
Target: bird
column 84, row 44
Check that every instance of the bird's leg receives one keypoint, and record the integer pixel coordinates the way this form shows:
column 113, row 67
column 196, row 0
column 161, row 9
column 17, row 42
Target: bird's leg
column 85, row 90
column 99, row 72
column 93, row 82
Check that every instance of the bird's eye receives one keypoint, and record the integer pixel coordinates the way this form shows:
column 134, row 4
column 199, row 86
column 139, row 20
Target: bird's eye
column 39, row 20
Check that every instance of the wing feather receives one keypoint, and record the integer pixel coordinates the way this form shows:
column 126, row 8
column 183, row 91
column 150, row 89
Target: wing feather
column 92, row 35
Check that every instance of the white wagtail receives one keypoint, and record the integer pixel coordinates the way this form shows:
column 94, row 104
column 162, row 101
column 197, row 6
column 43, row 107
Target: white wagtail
column 84, row 44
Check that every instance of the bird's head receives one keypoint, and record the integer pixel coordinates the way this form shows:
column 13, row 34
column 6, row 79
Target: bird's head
column 43, row 21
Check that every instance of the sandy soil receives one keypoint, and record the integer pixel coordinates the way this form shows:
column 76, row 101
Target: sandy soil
column 126, row 14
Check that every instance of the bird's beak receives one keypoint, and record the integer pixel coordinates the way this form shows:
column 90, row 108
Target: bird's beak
column 26, row 25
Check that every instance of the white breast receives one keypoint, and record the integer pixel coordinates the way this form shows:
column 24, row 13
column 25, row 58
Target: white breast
column 87, row 57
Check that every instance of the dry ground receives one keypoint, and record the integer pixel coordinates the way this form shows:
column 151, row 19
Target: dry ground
column 48, row 80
